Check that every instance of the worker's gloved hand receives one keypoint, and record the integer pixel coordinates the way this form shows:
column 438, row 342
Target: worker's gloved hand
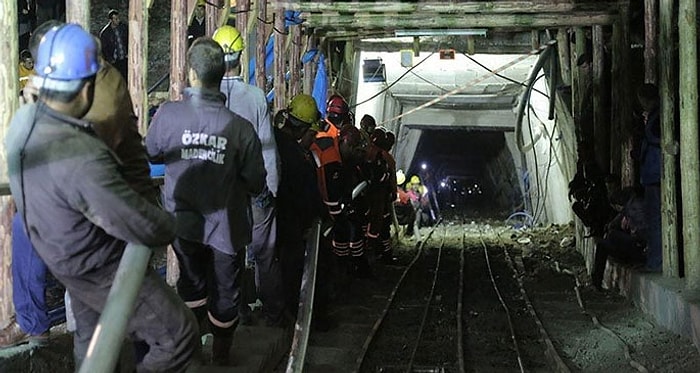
column 264, row 199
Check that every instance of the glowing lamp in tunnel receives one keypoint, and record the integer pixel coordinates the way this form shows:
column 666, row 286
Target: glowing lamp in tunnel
column 423, row 166
column 443, row 184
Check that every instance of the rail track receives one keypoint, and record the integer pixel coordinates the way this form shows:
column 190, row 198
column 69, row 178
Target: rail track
column 456, row 308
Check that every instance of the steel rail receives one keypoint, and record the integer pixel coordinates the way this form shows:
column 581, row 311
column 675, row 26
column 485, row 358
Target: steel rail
column 390, row 301
column 503, row 304
column 460, row 308
column 426, row 308
column 551, row 352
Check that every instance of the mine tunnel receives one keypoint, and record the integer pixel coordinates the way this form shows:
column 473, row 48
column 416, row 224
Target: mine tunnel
column 509, row 115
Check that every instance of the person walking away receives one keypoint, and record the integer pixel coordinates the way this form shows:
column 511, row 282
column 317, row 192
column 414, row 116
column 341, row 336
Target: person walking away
column 249, row 102
column 298, row 198
column 115, row 43
column 213, row 164
column 650, row 173
column 80, row 212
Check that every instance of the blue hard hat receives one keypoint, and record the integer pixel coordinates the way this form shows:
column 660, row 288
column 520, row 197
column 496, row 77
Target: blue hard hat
column 67, row 52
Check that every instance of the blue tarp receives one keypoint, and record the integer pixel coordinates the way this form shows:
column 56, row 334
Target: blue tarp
column 321, row 86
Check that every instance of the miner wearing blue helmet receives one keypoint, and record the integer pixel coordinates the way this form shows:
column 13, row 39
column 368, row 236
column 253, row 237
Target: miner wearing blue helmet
column 79, row 212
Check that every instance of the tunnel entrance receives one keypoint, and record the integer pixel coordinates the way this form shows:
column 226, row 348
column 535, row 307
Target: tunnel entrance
column 470, row 172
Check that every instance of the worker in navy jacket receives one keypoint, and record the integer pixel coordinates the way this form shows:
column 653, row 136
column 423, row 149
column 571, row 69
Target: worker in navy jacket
column 213, row 165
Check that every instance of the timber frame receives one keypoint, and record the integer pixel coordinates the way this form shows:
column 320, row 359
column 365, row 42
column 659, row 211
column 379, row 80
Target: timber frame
column 513, row 26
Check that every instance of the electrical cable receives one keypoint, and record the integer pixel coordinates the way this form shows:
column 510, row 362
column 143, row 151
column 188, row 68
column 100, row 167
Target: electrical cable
column 429, row 82
column 500, row 75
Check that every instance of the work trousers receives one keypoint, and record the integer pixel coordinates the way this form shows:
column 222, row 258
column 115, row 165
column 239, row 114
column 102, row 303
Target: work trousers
column 212, row 278
column 620, row 246
column 291, row 258
column 160, row 320
column 261, row 251
column 652, row 210
column 28, row 282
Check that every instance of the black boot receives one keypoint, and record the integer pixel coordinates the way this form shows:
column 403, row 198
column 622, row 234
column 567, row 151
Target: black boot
column 200, row 313
column 221, row 346
column 361, row 268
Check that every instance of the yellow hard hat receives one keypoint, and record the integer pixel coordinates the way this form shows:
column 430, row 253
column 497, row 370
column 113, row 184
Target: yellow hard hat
column 400, row 177
column 303, row 107
column 229, row 38
column 201, row 3
column 414, row 180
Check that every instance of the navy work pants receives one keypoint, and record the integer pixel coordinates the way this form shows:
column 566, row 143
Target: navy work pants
column 268, row 274
column 652, row 209
column 28, row 282
column 212, row 278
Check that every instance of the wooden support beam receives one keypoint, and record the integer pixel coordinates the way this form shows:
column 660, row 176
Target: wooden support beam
column 421, row 21
column 138, row 61
column 485, row 7
column 180, row 11
column 280, row 85
column 244, row 24
column 295, row 60
column 650, row 41
column 179, row 15
column 600, row 96
column 211, row 18
column 9, row 101
column 78, row 11
column 564, row 55
column 261, row 41
column 690, row 179
column 669, row 144
column 621, row 112
column 310, row 68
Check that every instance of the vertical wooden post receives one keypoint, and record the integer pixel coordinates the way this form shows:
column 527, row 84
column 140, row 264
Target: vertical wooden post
column 564, row 57
column 178, row 47
column 78, row 11
column 599, row 95
column 575, row 83
column 9, row 101
column 620, row 97
column 138, row 60
column 650, row 41
column 667, row 93
column 212, row 17
column 245, row 23
column 261, row 42
column 688, row 55
column 295, row 61
column 280, row 59
column 180, row 11
column 310, row 69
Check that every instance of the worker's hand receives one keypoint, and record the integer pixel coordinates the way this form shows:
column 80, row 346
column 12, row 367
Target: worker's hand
column 264, row 199
column 29, row 94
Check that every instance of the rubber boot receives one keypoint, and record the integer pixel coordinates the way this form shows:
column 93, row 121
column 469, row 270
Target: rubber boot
column 221, row 346
column 202, row 320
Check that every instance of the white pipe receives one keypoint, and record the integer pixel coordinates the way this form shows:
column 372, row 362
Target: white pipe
column 302, row 328
column 106, row 342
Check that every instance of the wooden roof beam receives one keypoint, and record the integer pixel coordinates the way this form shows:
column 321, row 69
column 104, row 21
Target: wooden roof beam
column 548, row 20
column 481, row 7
